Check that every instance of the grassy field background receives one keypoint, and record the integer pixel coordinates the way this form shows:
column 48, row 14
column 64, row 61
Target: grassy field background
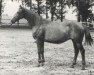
column 18, row 55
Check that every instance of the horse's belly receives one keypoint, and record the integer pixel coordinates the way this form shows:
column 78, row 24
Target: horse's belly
column 56, row 36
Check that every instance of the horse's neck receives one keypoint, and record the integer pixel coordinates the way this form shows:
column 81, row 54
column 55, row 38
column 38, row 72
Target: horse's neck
column 34, row 19
column 29, row 18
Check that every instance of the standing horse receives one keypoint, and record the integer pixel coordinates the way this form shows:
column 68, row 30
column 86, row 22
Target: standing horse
column 54, row 32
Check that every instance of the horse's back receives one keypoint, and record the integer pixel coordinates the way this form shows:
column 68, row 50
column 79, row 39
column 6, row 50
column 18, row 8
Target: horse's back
column 57, row 32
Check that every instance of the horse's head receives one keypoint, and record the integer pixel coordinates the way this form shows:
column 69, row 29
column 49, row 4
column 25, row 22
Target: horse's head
column 19, row 15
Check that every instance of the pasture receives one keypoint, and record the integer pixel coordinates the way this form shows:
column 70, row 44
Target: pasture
column 18, row 55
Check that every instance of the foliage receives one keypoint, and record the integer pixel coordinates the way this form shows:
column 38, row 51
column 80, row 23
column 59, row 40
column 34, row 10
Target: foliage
column 1, row 9
column 56, row 7
column 39, row 2
column 82, row 7
column 27, row 2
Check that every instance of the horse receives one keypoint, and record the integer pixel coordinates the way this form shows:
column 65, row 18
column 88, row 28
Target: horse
column 55, row 32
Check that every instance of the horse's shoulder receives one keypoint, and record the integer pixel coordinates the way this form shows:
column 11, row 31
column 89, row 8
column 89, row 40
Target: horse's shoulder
column 38, row 32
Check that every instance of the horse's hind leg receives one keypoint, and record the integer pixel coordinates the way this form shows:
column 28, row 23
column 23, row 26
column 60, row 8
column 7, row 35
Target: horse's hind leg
column 82, row 50
column 40, row 46
column 76, row 51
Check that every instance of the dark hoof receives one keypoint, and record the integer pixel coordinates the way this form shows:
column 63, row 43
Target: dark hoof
column 42, row 64
column 83, row 68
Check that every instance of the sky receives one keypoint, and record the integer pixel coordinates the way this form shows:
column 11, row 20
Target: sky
column 12, row 7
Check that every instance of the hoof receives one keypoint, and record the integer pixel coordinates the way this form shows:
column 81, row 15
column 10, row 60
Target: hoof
column 42, row 64
column 83, row 68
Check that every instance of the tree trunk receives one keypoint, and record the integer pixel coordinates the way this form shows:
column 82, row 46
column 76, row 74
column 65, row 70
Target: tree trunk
column 46, row 11
column 79, row 18
column 38, row 7
column 30, row 4
column 53, row 8
column 61, row 11
column 52, row 14
column 0, row 10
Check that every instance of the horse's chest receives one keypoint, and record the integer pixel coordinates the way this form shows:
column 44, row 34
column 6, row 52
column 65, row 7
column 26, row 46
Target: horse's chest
column 37, row 32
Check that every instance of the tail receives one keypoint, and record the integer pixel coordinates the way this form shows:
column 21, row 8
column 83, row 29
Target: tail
column 88, row 38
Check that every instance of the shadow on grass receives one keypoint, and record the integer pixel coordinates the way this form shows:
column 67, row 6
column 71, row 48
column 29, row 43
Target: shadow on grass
column 15, row 26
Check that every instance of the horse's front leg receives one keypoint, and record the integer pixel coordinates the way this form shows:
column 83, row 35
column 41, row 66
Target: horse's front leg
column 40, row 46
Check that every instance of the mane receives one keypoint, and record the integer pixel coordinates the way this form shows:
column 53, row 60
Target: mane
column 30, row 12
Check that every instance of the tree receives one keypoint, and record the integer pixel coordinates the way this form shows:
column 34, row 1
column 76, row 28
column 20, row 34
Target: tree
column 46, row 10
column 38, row 4
column 62, row 5
column 56, row 8
column 82, row 7
column 0, row 10
column 28, row 3
column 52, row 5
